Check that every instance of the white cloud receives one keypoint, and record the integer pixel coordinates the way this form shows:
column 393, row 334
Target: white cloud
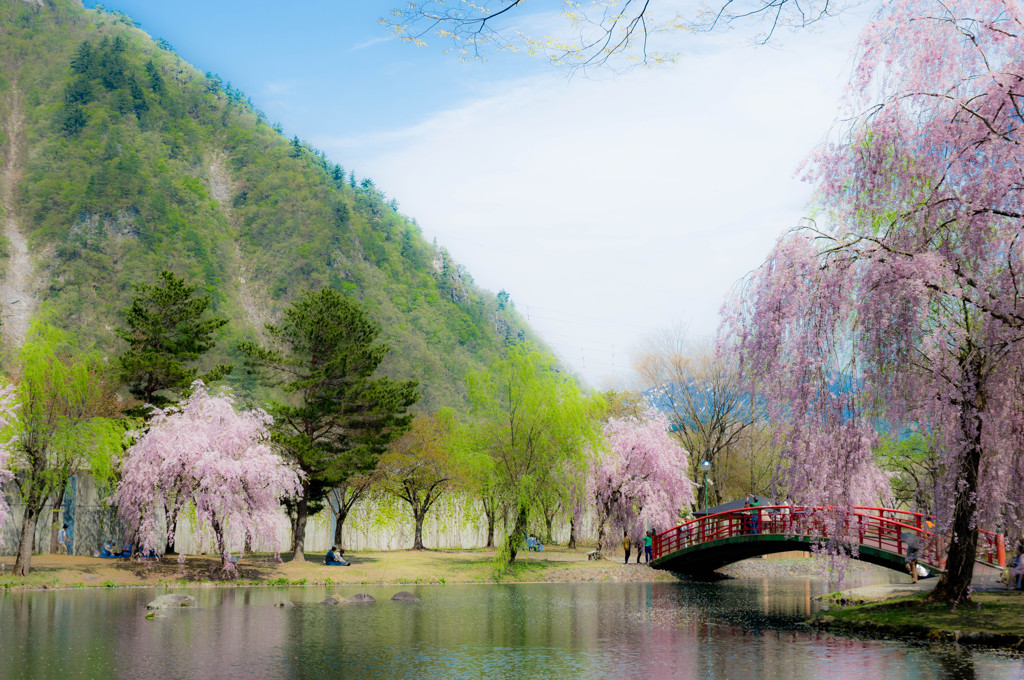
column 281, row 88
column 371, row 42
column 630, row 203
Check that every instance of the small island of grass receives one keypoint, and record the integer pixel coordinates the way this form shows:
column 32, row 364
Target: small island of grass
column 993, row 618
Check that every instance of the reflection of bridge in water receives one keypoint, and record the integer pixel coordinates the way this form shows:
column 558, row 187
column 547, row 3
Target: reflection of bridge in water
column 877, row 535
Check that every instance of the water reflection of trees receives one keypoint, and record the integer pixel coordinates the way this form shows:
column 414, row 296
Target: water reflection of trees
column 592, row 630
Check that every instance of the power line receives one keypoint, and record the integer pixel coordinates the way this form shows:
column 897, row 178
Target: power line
column 592, row 319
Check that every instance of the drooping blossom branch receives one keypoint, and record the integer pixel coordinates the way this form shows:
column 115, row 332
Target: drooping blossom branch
column 904, row 312
column 641, row 479
column 204, row 455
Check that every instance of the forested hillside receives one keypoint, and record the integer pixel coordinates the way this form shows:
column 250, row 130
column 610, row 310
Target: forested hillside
column 120, row 160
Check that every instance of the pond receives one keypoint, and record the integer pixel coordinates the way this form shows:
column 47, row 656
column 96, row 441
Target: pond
column 743, row 629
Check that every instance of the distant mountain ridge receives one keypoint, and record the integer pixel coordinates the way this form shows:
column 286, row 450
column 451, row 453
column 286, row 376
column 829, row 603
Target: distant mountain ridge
column 119, row 159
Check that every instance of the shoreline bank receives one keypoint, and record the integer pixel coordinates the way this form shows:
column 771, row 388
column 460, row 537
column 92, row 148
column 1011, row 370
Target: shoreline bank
column 993, row 619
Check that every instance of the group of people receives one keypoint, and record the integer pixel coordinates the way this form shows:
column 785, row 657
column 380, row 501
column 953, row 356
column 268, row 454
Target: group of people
column 108, row 550
column 334, row 558
column 533, row 544
column 647, row 545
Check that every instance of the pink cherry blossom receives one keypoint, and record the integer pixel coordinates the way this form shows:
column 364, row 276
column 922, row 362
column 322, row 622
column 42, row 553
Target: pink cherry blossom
column 640, row 480
column 204, row 457
column 902, row 308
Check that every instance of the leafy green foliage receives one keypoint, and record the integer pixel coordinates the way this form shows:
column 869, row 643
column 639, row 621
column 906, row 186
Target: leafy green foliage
column 165, row 329
column 64, row 424
column 419, row 468
column 915, row 469
column 532, row 422
column 339, row 416
column 136, row 162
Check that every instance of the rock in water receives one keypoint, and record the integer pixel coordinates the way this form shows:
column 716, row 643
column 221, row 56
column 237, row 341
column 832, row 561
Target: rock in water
column 172, row 600
column 404, row 596
column 330, row 599
column 288, row 603
column 362, row 598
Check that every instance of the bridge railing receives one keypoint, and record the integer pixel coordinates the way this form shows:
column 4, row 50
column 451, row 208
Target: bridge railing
column 881, row 528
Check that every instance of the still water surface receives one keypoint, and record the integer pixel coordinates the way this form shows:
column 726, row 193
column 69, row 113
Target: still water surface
column 742, row 630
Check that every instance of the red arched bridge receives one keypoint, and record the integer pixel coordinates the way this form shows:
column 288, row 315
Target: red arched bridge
column 880, row 536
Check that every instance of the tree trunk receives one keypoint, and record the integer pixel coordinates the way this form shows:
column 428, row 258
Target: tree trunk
column 227, row 566
column 955, row 584
column 58, row 501
column 517, row 534
column 293, row 520
column 600, row 535
column 572, row 532
column 549, row 522
column 301, row 515
column 417, row 541
column 491, row 513
column 172, row 528
column 339, row 525
column 28, row 534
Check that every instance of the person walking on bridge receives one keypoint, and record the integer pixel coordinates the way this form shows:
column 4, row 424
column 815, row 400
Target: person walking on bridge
column 913, row 543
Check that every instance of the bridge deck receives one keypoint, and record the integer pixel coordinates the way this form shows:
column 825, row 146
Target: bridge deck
column 876, row 535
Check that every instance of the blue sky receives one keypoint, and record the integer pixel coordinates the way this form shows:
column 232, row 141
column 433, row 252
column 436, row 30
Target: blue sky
column 610, row 206
column 319, row 65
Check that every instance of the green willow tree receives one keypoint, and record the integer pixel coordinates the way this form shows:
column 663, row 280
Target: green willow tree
column 339, row 416
column 65, row 424
column 531, row 419
column 167, row 329
column 419, row 467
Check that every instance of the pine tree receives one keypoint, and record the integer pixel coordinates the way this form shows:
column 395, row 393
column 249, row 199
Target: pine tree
column 166, row 331
column 339, row 418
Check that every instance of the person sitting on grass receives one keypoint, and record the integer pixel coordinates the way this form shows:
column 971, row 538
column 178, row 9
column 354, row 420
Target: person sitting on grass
column 107, row 550
column 334, row 558
column 150, row 554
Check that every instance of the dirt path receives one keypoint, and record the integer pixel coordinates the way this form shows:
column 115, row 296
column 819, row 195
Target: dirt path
column 16, row 292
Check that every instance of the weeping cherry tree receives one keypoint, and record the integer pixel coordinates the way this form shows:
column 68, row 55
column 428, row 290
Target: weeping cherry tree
column 202, row 453
column 906, row 312
column 640, row 479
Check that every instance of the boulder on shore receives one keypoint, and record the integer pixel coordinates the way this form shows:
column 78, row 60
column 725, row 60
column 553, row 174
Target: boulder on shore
column 172, row 600
column 404, row 596
column 362, row 598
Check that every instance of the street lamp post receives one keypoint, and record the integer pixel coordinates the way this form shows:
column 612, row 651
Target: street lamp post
column 705, row 465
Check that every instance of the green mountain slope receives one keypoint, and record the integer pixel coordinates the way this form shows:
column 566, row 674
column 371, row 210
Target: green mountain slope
column 119, row 160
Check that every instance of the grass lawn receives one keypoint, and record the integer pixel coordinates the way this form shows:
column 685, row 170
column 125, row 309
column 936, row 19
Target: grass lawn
column 991, row 613
column 555, row 564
